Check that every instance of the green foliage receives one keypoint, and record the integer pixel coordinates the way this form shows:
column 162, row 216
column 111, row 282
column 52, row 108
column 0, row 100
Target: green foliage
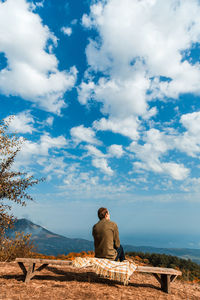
column 190, row 270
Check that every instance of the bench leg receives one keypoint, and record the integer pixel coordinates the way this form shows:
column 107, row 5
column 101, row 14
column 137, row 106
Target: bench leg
column 173, row 278
column 157, row 277
column 22, row 267
column 165, row 283
column 30, row 272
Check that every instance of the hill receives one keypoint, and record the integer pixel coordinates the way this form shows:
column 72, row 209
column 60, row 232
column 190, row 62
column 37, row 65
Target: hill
column 47, row 242
column 50, row 243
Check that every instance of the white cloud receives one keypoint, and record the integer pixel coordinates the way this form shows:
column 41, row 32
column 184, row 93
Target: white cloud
column 168, row 27
column 127, row 126
column 66, row 30
column 22, row 122
column 34, row 6
column 152, row 155
column 99, row 160
column 125, row 55
column 191, row 122
column 121, row 97
column 86, row 21
column 85, row 92
column 191, row 185
column 94, row 151
column 47, row 142
column 90, row 185
column 188, row 141
column 31, row 73
column 96, row 14
column 75, row 177
column 115, row 151
column 149, row 155
column 55, row 166
column 176, row 171
column 102, row 164
column 141, row 55
column 37, row 152
column 83, row 134
column 49, row 121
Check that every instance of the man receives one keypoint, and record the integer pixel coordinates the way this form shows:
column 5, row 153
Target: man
column 106, row 237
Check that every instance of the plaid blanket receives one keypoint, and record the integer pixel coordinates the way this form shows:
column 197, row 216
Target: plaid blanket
column 120, row 271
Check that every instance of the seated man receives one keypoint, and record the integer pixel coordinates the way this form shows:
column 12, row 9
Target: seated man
column 106, row 237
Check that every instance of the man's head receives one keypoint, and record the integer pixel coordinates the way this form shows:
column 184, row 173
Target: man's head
column 103, row 213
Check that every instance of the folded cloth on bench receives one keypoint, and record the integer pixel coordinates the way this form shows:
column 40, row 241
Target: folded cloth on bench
column 120, row 271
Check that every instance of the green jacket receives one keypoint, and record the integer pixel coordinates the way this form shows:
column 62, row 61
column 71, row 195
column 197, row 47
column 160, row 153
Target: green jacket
column 106, row 239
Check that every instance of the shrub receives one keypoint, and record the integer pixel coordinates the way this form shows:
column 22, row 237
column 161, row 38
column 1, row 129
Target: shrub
column 20, row 246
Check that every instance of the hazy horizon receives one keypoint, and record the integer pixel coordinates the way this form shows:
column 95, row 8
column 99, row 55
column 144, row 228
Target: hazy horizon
column 158, row 240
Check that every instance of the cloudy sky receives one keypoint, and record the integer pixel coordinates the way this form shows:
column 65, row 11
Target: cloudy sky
column 106, row 94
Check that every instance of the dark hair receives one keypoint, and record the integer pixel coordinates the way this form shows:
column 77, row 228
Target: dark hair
column 102, row 212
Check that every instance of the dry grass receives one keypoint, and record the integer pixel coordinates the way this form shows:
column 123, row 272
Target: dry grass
column 66, row 283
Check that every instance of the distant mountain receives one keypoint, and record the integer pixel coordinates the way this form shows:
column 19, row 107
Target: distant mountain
column 47, row 242
column 50, row 243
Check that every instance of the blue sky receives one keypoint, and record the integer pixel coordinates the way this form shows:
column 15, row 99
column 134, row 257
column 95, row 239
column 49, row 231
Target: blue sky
column 106, row 95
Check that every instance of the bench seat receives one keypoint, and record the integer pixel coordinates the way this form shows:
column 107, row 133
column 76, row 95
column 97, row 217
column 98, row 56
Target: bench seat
column 28, row 266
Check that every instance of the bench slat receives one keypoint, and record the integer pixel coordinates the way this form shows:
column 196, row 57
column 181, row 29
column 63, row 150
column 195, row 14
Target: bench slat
column 157, row 270
column 44, row 261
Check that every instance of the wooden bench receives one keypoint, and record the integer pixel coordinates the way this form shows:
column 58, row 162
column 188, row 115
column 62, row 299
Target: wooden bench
column 28, row 266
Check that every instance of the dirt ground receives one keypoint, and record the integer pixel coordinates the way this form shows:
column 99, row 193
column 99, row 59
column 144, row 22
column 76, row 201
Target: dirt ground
column 59, row 283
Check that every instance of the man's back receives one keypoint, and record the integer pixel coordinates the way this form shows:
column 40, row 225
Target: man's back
column 106, row 239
